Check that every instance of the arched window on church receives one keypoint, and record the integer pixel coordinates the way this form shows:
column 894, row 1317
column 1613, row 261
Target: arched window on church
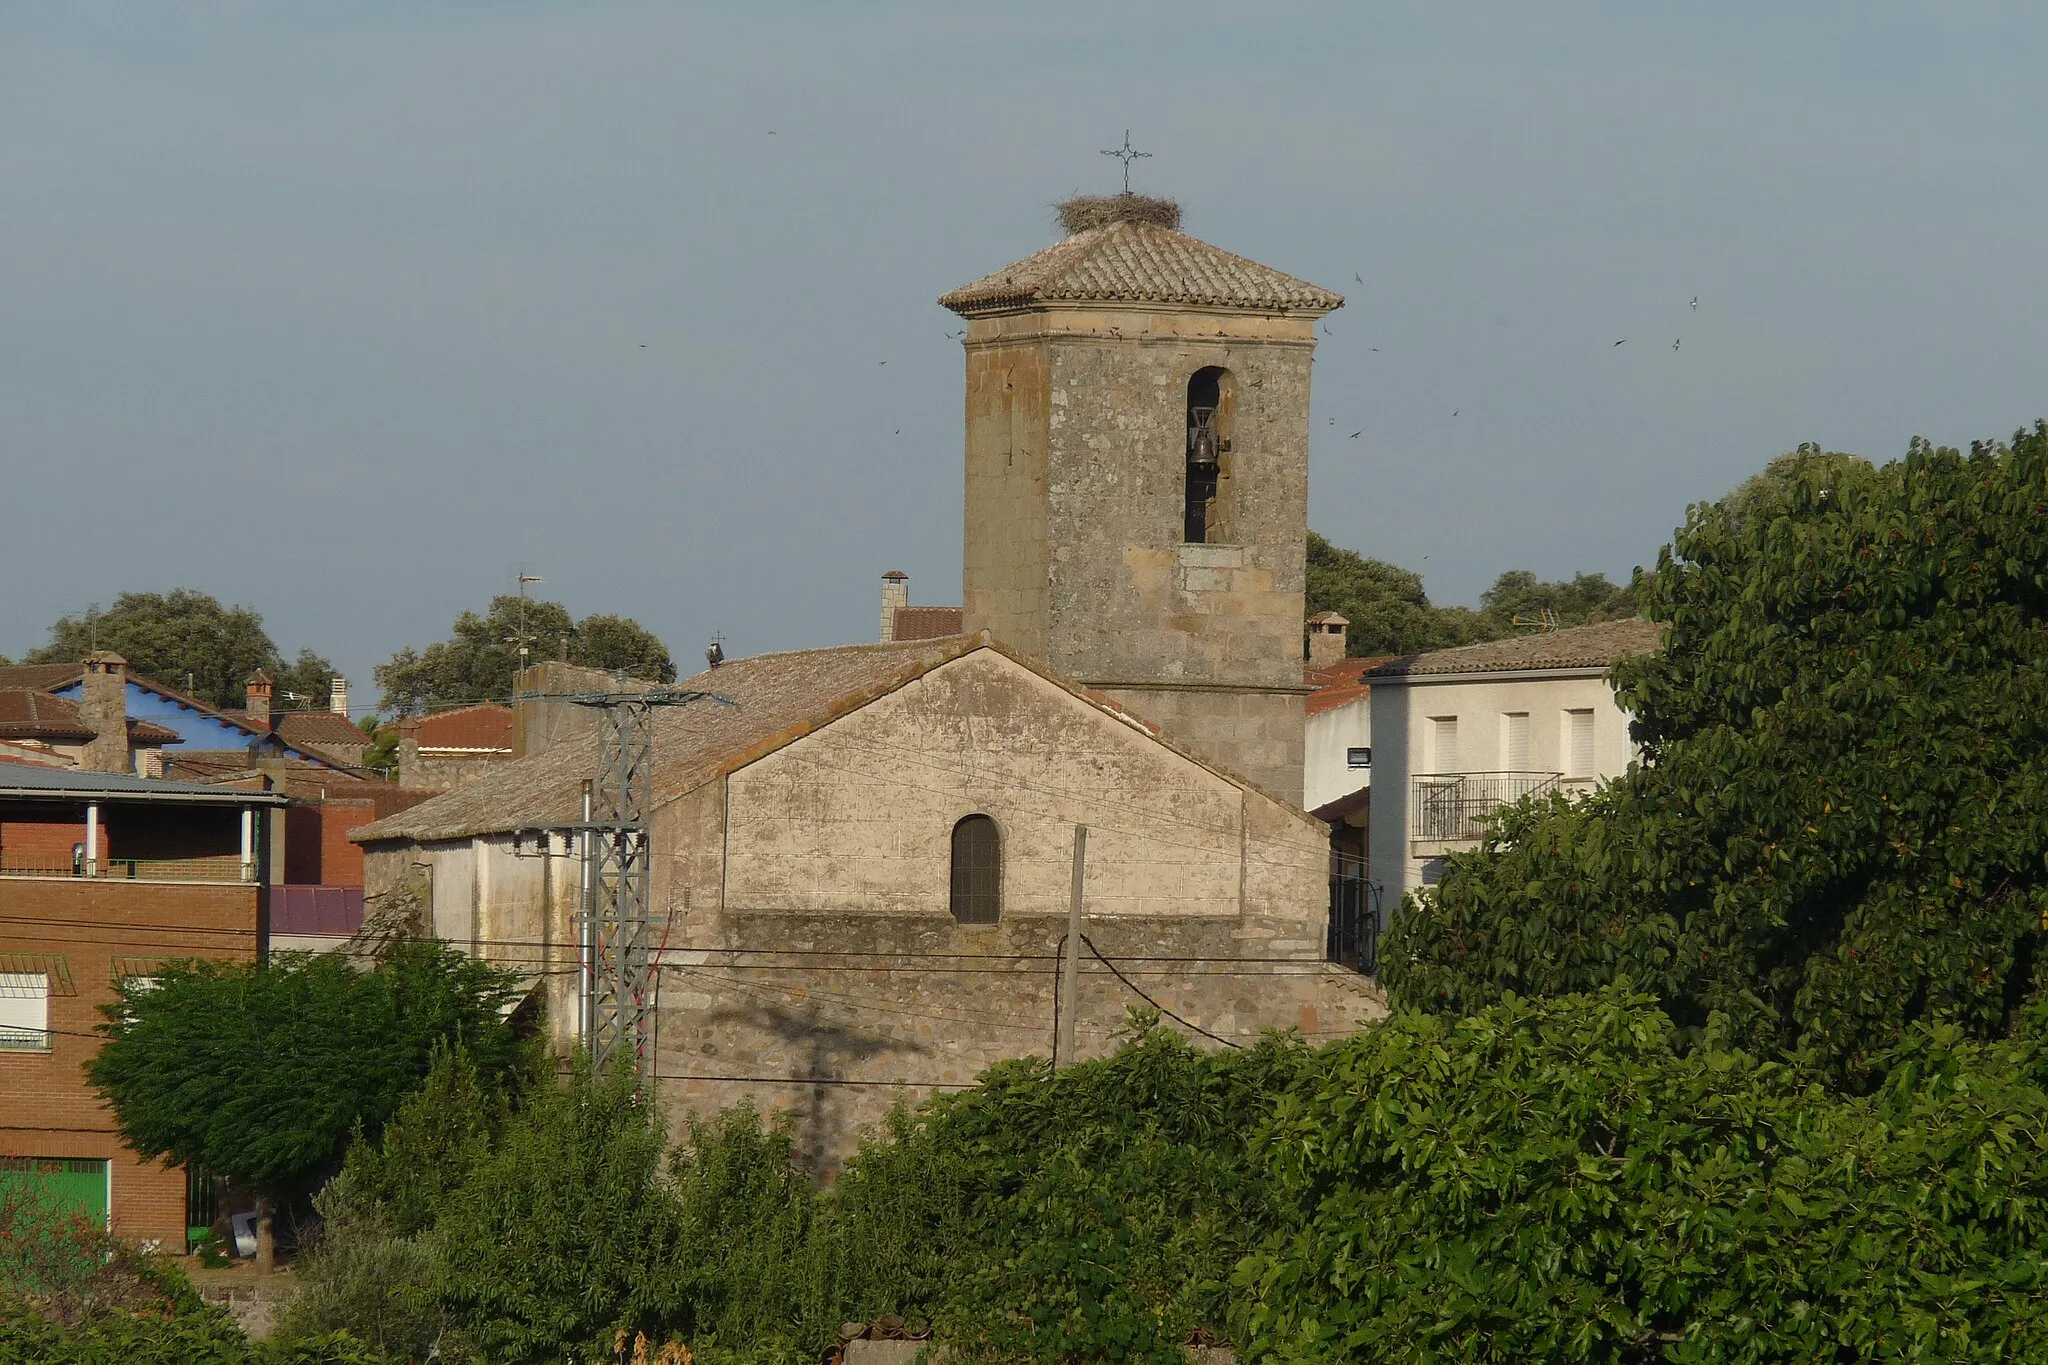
column 1212, row 404
column 977, row 871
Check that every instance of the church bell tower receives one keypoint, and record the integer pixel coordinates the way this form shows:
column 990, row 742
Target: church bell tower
column 1137, row 476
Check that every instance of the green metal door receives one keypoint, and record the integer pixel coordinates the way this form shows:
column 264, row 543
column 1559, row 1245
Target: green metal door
column 72, row 1184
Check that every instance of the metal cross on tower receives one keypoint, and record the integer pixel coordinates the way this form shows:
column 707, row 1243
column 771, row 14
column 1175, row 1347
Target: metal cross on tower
column 619, row 964
column 1126, row 154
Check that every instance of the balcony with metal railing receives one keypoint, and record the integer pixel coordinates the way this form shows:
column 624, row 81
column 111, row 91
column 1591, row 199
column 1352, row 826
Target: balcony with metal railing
column 1453, row 807
column 224, row 867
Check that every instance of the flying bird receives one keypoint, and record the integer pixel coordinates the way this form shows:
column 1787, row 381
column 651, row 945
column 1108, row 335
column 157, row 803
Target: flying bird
column 1695, row 300
column 1454, row 412
column 1354, row 435
column 1333, row 421
column 1356, row 276
column 1622, row 342
column 884, row 362
column 1674, row 344
column 899, row 431
column 961, row 333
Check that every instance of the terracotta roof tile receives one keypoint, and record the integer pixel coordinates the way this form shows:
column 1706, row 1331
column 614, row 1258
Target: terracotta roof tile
column 41, row 677
column 1339, row 684
column 1594, row 646
column 929, row 623
column 487, row 725
column 320, row 729
column 1129, row 262
column 27, row 713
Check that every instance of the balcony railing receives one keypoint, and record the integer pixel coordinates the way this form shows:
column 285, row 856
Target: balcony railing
column 1455, row 805
column 225, row 867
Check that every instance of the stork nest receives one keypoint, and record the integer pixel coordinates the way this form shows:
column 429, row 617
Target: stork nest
column 1085, row 212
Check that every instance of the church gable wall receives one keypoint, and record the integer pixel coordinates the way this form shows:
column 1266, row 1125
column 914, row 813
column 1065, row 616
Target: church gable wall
column 835, row 970
column 858, row 816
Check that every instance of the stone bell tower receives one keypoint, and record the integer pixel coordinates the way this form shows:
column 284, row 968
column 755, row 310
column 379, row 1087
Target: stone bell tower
column 1137, row 476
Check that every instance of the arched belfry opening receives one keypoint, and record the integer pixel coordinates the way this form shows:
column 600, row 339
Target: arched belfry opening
column 1212, row 405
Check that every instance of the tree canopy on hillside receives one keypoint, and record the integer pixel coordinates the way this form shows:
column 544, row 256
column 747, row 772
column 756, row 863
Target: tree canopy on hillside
column 480, row 659
column 186, row 639
column 1837, row 829
column 1391, row 614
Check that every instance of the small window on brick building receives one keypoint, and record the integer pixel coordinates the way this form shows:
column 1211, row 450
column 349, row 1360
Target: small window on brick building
column 24, row 1011
column 977, row 871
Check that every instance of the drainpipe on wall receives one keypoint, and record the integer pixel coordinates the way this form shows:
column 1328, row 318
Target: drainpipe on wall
column 92, row 839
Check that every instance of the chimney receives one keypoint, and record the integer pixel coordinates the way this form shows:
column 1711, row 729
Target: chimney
column 104, row 707
column 895, row 593
column 1326, row 640
column 258, row 709
column 409, row 774
column 337, row 697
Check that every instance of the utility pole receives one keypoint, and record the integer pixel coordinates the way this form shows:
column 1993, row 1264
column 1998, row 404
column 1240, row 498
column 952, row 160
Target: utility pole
column 619, row 1002
column 1070, row 965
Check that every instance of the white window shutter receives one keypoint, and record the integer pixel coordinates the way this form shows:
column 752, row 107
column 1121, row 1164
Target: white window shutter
column 24, row 1010
column 1581, row 753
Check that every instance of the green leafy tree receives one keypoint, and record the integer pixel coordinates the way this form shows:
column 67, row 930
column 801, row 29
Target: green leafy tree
column 188, row 640
column 261, row 1073
column 1388, row 610
column 480, row 659
column 1559, row 1181
column 1391, row 614
column 548, row 1246
column 1834, row 833
column 1518, row 600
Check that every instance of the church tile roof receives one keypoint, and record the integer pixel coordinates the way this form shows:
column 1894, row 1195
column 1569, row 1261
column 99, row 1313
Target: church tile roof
column 770, row 700
column 1135, row 262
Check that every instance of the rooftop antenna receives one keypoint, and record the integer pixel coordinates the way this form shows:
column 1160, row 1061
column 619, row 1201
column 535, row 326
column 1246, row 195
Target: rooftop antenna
column 1126, row 154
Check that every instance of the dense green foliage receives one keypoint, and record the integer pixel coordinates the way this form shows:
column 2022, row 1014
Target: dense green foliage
column 1553, row 1181
column 1545, row 1180
column 1840, row 826
column 1391, row 614
column 480, row 659
column 260, row 1074
column 1096, row 1212
column 186, row 639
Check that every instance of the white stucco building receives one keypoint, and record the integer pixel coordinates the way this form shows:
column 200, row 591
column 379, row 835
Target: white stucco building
column 1459, row 732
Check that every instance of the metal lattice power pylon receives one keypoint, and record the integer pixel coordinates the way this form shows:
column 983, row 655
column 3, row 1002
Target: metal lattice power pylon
column 619, row 983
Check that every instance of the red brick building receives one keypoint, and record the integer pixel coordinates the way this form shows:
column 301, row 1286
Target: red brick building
column 104, row 876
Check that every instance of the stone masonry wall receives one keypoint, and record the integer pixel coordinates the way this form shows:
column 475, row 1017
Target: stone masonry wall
column 813, row 957
column 1076, row 461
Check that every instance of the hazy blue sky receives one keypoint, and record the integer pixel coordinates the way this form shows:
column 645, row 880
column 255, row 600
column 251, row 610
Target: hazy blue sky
column 344, row 310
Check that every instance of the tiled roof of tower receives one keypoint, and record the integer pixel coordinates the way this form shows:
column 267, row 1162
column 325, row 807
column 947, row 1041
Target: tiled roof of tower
column 1130, row 262
column 1594, row 646
column 773, row 698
